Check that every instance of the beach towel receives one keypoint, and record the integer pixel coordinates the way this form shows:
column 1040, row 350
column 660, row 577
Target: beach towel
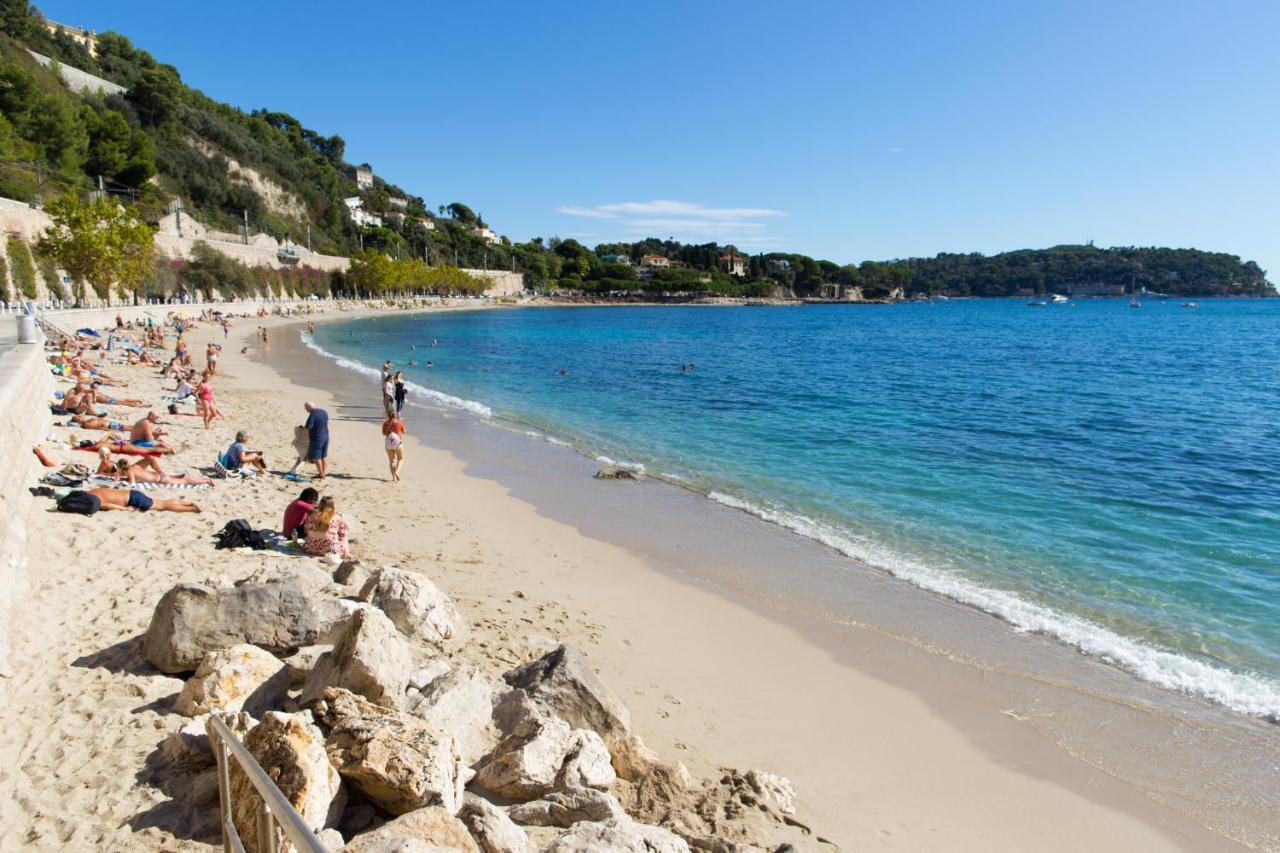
column 111, row 483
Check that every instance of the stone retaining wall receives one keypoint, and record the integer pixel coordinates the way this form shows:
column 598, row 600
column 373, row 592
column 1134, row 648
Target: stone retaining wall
column 25, row 388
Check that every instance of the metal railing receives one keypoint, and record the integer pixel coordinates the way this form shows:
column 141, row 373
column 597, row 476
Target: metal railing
column 275, row 809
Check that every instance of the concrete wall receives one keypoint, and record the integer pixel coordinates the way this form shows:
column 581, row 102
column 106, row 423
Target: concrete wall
column 24, row 221
column 25, row 388
column 80, row 81
column 502, row 283
column 259, row 252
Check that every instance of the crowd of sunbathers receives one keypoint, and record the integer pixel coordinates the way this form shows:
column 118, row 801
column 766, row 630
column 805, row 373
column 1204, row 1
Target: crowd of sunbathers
column 130, row 453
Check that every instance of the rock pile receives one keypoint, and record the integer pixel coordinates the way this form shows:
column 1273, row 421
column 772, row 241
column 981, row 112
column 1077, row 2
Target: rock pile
column 382, row 741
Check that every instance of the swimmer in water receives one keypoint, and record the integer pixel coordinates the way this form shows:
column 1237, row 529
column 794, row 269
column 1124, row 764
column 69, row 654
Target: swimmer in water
column 429, row 364
column 564, row 372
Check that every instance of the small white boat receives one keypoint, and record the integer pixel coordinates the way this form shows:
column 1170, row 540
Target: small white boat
column 1057, row 299
column 1191, row 305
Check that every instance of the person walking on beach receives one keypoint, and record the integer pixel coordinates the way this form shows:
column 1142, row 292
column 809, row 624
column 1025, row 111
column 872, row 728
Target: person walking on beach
column 204, row 396
column 389, row 395
column 401, row 391
column 211, row 354
column 318, row 438
column 393, row 435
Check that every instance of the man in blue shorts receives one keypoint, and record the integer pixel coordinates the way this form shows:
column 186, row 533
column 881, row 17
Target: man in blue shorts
column 318, row 438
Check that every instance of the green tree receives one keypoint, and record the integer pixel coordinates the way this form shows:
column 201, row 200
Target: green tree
column 101, row 243
column 157, row 96
column 56, row 127
column 110, row 143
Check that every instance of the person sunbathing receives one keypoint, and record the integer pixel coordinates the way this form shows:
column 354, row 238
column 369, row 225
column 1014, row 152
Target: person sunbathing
column 116, row 444
column 93, row 395
column 144, row 432
column 148, row 470
column 134, row 500
column 94, row 422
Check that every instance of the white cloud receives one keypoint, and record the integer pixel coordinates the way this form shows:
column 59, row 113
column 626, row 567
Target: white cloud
column 682, row 220
column 589, row 213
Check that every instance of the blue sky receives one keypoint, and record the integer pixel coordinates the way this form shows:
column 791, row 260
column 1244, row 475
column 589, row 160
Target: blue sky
column 844, row 130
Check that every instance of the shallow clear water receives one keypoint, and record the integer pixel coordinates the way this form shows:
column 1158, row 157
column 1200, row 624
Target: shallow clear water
column 1100, row 474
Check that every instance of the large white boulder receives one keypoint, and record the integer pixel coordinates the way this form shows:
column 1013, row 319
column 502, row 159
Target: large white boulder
column 369, row 658
column 527, row 761
column 492, row 829
column 426, row 830
column 395, row 760
column 239, row 678
column 291, row 750
column 414, row 604
column 192, row 620
column 621, row 835
column 460, row 702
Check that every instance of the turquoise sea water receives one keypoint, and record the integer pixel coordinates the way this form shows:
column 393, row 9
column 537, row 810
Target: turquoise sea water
column 1103, row 475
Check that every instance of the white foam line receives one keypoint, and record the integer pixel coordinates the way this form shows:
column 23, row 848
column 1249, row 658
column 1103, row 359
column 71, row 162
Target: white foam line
column 1247, row 693
column 421, row 390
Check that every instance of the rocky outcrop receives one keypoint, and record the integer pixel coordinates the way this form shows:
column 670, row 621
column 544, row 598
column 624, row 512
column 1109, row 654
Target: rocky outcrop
column 561, row 683
column 460, row 703
column 369, row 658
column 414, row 604
column 527, row 761
column 332, row 616
column 588, row 764
column 189, row 745
column 351, row 574
column 392, row 758
column 291, row 750
column 618, row 836
column 565, row 808
column 427, row 830
column 302, row 661
column 242, row 677
column 492, row 829
column 193, row 619
column 722, row 813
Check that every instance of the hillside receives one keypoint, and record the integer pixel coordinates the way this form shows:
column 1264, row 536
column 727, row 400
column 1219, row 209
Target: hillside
column 159, row 140
column 162, row 140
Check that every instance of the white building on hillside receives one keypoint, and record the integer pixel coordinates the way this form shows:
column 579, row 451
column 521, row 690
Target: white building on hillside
column 360, row 216
column 485, row 234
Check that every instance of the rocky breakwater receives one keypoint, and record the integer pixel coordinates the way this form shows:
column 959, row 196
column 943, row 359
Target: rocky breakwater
column 351, row 693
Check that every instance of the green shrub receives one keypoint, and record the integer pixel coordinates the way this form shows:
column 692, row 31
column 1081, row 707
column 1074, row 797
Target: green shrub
column 24, row 271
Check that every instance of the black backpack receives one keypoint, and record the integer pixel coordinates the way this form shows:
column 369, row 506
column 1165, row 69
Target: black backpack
column 79, row 502
column 238, row 534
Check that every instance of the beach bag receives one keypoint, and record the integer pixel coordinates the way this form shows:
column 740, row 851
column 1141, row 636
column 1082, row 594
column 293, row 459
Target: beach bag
column 238, row 534
column 234, row 534
column 81, row 503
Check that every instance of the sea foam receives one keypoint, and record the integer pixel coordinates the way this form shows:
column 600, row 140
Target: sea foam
column 1247, row 693
column 438, row 397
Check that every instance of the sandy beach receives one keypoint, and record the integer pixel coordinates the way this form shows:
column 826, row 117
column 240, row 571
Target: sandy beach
column 888, row 746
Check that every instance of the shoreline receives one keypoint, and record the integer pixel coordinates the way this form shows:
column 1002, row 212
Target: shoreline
column 887, row 742
column 1034, row 751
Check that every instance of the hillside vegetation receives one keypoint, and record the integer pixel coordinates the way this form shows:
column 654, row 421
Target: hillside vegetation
column 162, row 140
